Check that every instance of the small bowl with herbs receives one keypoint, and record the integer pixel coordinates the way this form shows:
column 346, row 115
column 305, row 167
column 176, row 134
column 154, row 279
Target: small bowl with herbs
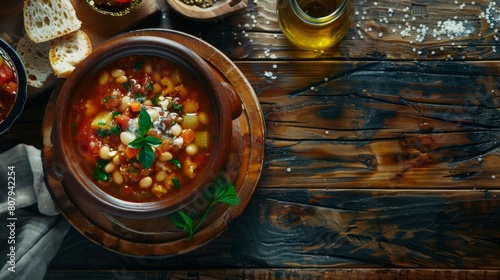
column 142, row 127
column 13, row 86
column 114, row 7
column 205, row 10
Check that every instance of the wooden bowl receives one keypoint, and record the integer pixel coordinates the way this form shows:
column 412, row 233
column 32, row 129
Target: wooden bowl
column 14, row 61
column 219, row 9
column 72, row 171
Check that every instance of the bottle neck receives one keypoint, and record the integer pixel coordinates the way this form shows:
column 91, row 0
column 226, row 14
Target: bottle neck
column 320, row 20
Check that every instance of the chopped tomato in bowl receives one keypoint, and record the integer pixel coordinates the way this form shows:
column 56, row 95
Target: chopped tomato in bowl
column 13, row 86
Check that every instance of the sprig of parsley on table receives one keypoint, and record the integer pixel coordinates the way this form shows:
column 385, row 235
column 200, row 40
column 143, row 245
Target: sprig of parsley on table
column 220, row 192
column 145, row 144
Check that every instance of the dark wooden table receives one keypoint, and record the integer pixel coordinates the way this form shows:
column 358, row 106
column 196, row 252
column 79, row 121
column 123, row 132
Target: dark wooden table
column 381, row 154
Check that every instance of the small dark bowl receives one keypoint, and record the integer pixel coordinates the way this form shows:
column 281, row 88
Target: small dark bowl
column 77, row 181
column 12, row 58
column 116, row 11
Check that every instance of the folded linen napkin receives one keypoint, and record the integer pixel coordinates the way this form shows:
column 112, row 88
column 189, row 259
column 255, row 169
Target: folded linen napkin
column 31, row 228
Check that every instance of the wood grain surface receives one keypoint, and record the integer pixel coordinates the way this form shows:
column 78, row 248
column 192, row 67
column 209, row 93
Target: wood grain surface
column 381, row 154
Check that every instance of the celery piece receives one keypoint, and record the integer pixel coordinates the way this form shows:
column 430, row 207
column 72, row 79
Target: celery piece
column 190, row 121
column 202, row 139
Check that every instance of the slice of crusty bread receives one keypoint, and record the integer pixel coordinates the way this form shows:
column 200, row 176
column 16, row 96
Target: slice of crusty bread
column 67, row 51
column 35, row 58
column 45, row 20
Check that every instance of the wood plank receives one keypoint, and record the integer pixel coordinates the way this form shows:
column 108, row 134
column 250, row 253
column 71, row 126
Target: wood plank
column 327, row 229
column 379, row 124
column 282, row 273
column 253, row 32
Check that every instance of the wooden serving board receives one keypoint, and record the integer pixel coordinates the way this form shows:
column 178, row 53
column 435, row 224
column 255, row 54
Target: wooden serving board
column 158, row 237
column 99, row 27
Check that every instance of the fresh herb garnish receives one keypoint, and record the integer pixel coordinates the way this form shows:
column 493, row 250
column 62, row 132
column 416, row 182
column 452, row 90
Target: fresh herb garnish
column 221, row 191
column 128, row 86
column 145, row 144
column 149, row 86
column 99, row 173
column 176, row 162
column 156, row 98
column 114, row 129
column 140, row 97
column 176, row 106
column 177, row 184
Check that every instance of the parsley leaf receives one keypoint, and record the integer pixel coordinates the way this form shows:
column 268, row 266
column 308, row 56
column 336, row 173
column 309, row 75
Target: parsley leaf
column 220, row 192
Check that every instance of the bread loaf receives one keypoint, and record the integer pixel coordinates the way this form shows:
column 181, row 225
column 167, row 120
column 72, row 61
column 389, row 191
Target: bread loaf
column 35, row 58
column 45, row 20
column 68, row 51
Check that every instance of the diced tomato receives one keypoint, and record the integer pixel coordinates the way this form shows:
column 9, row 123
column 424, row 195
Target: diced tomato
column 122, row 121
column 127, row 191
column 131, row 153
column 11, row 87
column 6, row 73
column 135, row 106
column 188, row 135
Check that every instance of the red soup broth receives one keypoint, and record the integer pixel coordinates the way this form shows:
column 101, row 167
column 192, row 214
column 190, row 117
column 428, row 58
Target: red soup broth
column 8, row 88
column 107, row 120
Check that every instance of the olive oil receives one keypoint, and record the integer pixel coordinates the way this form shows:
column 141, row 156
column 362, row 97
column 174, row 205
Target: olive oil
column 315, row 24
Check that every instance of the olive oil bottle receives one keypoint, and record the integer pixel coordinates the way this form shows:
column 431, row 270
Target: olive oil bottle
column 315, row 24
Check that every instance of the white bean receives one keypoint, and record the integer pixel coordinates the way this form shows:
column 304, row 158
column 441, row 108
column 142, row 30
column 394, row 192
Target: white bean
column 110, row 167
column 117, row 160
column 117, row 73
column 176, row 129
column 103, row 79
column 117, row 177
column 160, row 176
column 104, row 152
column 191, row 149
column 178, row 141
column 145, row 182
column 124, row 104
column 153, row 113
column 127, row 137
column 148, row 68
column 121, row 79
column 166, row 156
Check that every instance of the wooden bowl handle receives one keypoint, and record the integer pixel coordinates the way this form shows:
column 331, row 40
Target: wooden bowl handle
column 234, row 100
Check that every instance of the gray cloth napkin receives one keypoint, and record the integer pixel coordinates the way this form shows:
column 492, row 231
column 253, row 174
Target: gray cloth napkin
column 31, row 229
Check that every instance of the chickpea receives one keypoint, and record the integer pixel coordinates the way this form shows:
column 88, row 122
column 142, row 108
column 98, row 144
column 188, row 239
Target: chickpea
column 146, row 182
column 176, row 130
column 117, row 177
column 148, row 102
column 104, row 152
column 191, row 149
column 148, row 68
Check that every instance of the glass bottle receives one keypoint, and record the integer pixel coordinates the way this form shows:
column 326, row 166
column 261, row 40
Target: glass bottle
column 315, row 24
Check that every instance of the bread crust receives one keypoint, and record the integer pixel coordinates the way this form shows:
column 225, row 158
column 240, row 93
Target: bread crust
column 45, row 20
column 68, row 51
